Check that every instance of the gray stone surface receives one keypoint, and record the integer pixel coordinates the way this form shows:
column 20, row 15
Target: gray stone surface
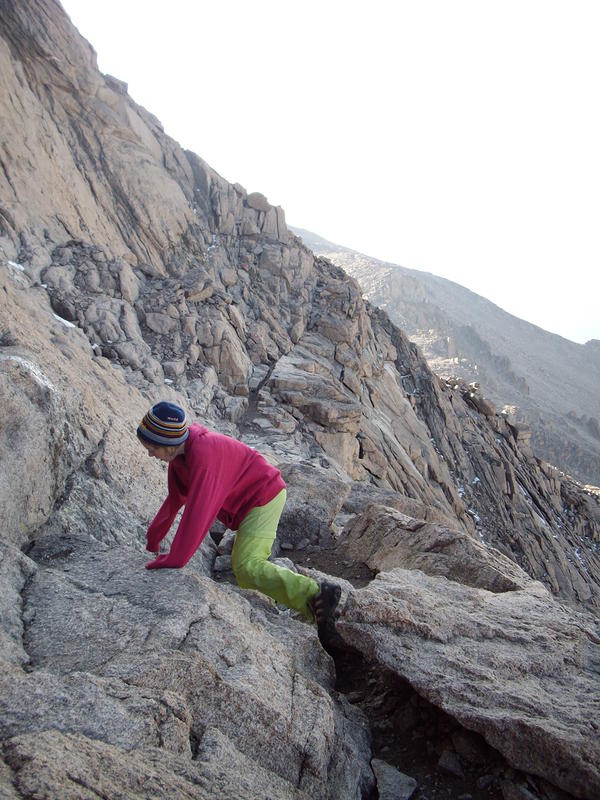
column 517, row 667
column 312, row 503
column 71, row 766
column 141, row 659
column 166, row 681
column 384, row 538
column 391, row 783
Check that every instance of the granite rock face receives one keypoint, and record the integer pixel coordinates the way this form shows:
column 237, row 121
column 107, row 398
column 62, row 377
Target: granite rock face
column 112, row 660
column 514, row 666
column 83, row 768
column 385, row 539
column 131, row 272
column 550, row 384
column 160, row 657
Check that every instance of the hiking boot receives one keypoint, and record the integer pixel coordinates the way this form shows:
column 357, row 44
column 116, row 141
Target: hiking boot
column 324, row 606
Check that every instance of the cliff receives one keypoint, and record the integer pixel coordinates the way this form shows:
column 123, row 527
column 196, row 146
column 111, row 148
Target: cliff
column 131, row 272
column 548, row 384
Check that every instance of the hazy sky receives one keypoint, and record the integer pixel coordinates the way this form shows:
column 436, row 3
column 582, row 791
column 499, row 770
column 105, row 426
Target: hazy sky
column 460, row 138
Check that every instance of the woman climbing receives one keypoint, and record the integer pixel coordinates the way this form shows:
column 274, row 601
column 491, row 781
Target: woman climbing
column 217, row 476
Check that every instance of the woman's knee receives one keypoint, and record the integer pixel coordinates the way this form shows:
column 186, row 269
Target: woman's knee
column 246, row 572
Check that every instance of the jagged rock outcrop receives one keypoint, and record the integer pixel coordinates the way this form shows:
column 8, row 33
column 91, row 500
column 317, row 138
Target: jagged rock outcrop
column 385, row 539
column 513, row 666
column 161, row 659
column 552, row 384
column 144, row 275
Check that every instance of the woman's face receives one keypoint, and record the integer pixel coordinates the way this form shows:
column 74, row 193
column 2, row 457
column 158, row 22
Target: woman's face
column 163, row 453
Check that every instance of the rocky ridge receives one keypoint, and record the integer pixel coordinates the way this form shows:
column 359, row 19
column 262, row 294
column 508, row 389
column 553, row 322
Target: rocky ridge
column 549, row 384
column 145, row 274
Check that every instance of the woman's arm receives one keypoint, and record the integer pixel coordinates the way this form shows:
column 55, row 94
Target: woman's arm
column 159, row 527
column 205, row 498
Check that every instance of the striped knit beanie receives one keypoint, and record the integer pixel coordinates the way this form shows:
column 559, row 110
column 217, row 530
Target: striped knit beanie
column 164, row 425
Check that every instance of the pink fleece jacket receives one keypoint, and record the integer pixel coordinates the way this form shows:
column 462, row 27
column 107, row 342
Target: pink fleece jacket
column 217, row 477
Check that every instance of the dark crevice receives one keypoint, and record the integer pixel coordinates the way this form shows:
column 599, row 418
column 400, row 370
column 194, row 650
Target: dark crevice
column 25, row 622
column 194, row 745
column 245, row 423
column 7, row 176
column 448, row 761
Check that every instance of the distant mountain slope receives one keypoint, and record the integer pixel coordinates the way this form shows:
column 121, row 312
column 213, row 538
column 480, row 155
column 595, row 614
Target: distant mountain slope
column 552, row 384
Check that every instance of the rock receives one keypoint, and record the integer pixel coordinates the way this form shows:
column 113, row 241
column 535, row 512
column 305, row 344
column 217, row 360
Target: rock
column 258, row 201
column 384, row 538
column 259, row 373
column 543, row 377
column 54, row 764
column 229, row 277
column 129, row 284
column 278, row 418
column 174, row 369
column 489, row 659
column 483, row 405
column 351, row 380
column 170, row 641
column 226, row 544
column 16, row 570
column 198, row 286
column 152, row 370
column 311, row 505
column 222, row 563
column 125, row 717
column 343, row 448
column 550, row 792
column 160, row 323
column 363, row 495
column 516, row 791
column 234, row 408
column 471, row 748
column 27, row 393
column 450, row 764
column 250, row 228
column 391, row 783
column 201, row 391
column 282, row 230
column 133, row 354
column 224, row 350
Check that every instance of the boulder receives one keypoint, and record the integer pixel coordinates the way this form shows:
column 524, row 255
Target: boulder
column 516, row 667
column 258, row 201
column 160, row 323
column 391, row 783
column 128, row 282
column 172, row 649
column 73, row 766
column 312, row 503
column 384, row 538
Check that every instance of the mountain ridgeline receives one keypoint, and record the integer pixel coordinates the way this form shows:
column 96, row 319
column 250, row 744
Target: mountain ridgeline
column 548, row 384
column 130, row 271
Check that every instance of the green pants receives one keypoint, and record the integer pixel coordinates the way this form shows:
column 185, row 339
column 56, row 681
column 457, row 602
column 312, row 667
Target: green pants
column 253, row 570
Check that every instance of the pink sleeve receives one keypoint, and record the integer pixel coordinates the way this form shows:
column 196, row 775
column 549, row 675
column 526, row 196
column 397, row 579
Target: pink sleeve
column 159, row 527
column 204, row 501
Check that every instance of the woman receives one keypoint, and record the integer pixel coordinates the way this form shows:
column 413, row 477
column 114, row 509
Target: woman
column 216, row 476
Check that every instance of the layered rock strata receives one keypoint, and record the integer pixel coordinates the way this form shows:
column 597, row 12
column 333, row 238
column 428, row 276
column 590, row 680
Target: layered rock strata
column 549, row 383
column 143, row 275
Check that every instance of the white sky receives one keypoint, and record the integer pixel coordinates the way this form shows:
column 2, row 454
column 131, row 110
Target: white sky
column 461, row 138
